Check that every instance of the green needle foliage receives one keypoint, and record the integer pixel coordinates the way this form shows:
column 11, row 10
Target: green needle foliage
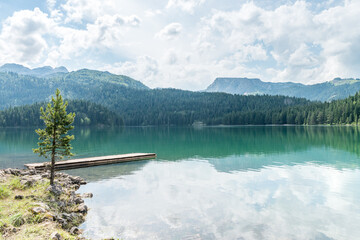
column 54, row 141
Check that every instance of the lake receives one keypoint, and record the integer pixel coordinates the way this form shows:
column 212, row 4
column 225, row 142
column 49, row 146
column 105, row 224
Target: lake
column 256, row 182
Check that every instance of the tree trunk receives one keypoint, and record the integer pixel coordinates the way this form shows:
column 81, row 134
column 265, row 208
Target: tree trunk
column 52, row 168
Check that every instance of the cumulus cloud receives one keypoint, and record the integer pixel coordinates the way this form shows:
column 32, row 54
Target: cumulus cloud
column 170, row 31
column 311, row 47
column 79, row 11
column 298, row 41
column 185, row 5
column 144, row 68
column 23, row 36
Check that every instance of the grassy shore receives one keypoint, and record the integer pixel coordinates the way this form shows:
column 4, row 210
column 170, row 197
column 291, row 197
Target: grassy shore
column 31, row 209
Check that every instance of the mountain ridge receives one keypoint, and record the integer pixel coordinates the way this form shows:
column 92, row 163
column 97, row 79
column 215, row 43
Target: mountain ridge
column 337, row 88
column 37, row 72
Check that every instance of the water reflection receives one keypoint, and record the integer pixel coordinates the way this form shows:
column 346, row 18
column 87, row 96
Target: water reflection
column 182, row 143
column 215, row 183
column 192, row 200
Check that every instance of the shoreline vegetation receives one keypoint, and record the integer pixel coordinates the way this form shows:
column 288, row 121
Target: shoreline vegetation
column 173, row 108
column 30, row 208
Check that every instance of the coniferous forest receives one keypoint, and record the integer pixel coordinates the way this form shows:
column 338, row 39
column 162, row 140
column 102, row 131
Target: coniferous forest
column 87, row 114
column 178, row 107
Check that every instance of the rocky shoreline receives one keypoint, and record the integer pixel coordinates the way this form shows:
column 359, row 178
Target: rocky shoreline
column 58, row 205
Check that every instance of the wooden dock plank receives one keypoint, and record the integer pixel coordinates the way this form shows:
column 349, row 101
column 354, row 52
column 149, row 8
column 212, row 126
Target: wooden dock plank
column 95, row 161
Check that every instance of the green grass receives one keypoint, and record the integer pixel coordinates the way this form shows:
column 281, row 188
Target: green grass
column 17, row 213
column 4, row 192
column 17, row 220
column 15, row 184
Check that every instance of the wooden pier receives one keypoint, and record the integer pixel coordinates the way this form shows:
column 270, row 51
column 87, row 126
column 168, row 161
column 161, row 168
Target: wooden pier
column 93, row 161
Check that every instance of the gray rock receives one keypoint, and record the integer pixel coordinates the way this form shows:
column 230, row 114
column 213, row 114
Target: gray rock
column 11, row 171
column 61, row 220
column 15, row 172
column 74, row 231
column 82, row 208
column 77, row 180
column 61, row 204
column 19, row 197
column 24, row 173
column 55, row 189
column 37, row 210
column 67, row 216
column 49, row 216
column 55, row 236
column 87, row 195
column 42, row 205
column 45, row 175
column 27, row 182
column 78, row 200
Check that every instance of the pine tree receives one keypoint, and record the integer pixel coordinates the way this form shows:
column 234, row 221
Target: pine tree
column 54, row 141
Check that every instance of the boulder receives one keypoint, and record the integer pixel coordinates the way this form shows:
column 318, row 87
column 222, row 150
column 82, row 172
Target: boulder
column 74, row 231
column 45, row 175
column 55, row 236
column 15, row 172
column 87, row 195
column 19, row 197
column 49, row 216
column 37, row 210
column 78, row 200
column 55, row 189
column 42, row 205
column 82, row 208
column 67, row 216
column 77, row 180
column 27, row 182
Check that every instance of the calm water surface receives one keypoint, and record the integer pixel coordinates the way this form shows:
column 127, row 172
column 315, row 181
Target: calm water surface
column 215, row 183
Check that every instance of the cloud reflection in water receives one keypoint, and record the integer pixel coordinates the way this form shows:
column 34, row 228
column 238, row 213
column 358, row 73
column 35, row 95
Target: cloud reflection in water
column 190, row 199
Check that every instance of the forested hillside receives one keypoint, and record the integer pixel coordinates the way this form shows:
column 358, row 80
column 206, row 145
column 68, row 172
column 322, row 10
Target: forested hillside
column 346, row 111
column 17, row 90
column 138, row 105
column 178, row 107
column 87, row 114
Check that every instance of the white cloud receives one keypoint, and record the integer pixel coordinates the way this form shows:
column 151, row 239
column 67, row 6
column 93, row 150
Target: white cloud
column 23, row 36
column 170, row 31
column 185, row 5
column 280, row 43
column 51, row 4
column 143, row 68
column 307, row 46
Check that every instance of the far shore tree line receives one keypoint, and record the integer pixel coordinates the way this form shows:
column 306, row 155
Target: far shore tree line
column 182, row 108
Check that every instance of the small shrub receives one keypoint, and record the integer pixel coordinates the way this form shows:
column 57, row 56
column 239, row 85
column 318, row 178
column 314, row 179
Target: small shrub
column 15, row 184
column 17, row 220
column 31, row 218
column 4, row 192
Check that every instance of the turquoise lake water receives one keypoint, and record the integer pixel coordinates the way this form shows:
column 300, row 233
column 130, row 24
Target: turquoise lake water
column 271, row 182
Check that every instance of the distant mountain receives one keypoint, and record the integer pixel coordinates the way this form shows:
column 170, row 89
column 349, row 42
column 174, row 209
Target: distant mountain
column 37, row 72
column 16, row 89
column 132, row 100
column 327, row 91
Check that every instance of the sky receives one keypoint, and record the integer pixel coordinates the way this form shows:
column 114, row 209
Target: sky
column 186, row 43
